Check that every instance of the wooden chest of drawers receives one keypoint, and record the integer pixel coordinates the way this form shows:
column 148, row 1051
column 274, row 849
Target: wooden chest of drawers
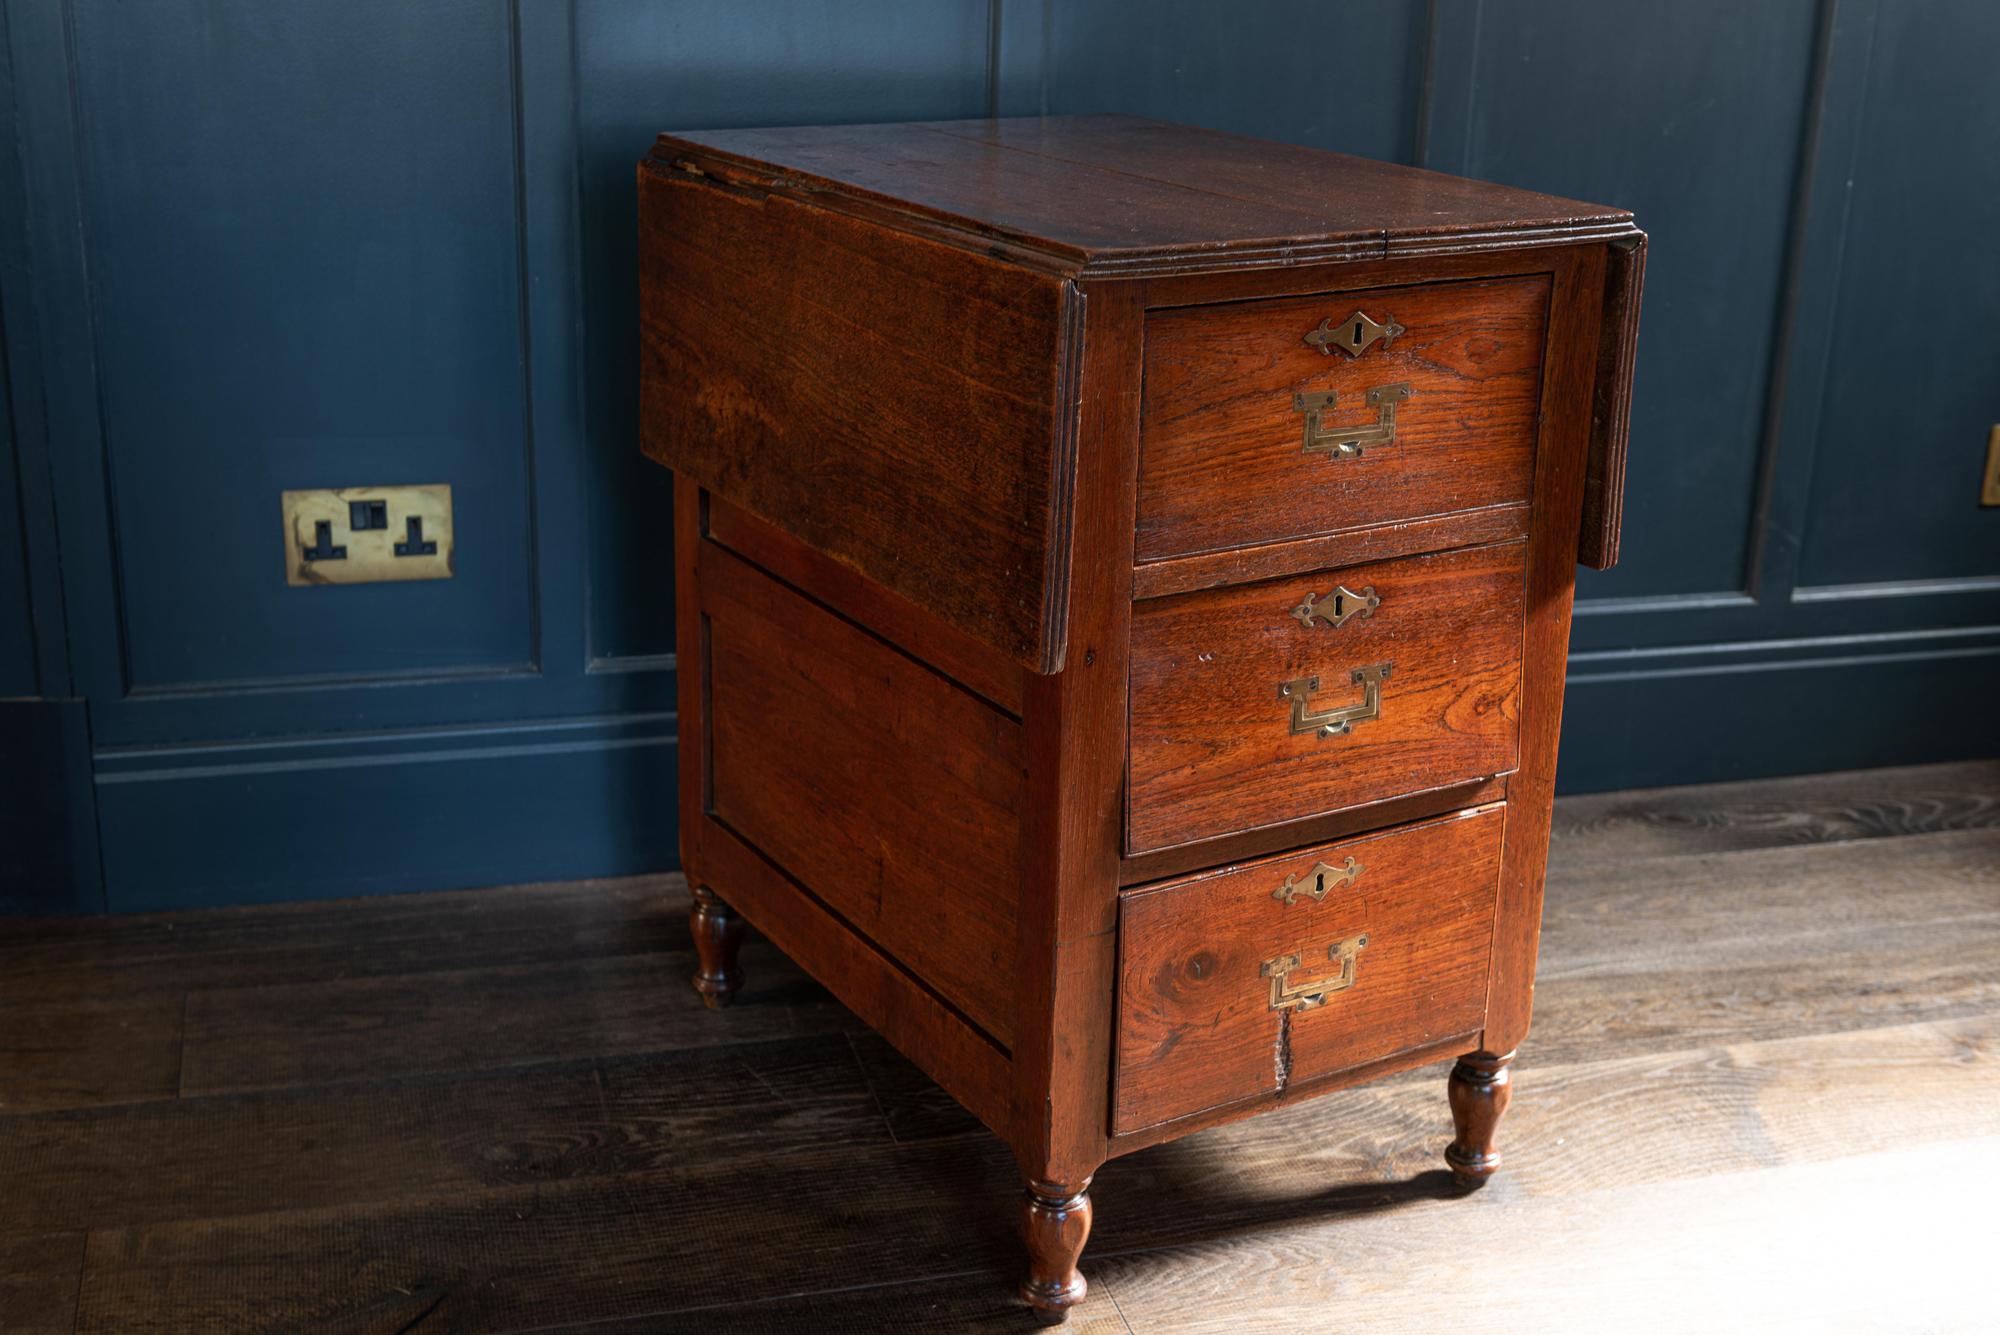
column 1124, row 580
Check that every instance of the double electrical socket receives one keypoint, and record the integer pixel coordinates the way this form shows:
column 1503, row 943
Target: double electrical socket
column 1989, row 490
column 367, row 535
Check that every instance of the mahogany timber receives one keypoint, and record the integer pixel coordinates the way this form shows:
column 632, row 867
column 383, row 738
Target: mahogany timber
column 1349, row 547
column 1076, row 770
column 870, row 779
column 1567, row 392
column 1479, row 1089
column 901, row 372
column 970, row 1064
column 1213, row 748
column 717, row 932
column 1319, row 828
column 691, row 680
column 1055, row 1223
column 1611, row 406
column 899, row 1005
column 1222, row 462
column 1102, row 196
column 1196, row 1023
column 1297, row 1090
column 898, row 410
column 941, row 644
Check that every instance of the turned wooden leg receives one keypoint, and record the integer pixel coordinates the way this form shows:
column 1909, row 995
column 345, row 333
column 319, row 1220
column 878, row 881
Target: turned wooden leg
column 1055, row 1223
column 718, row 934
column 1480, row 1088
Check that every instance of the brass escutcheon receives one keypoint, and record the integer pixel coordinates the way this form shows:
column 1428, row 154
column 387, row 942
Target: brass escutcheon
column 1349, row 442
column 1321, row 879
column 1353, row 336
column 1335, row 608
column 1311, row 996
column 1340, row 719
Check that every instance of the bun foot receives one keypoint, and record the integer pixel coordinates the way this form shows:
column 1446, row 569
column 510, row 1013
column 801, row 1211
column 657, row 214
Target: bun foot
column 717, row 930
column 1479, row 1090
column 1055, row 1223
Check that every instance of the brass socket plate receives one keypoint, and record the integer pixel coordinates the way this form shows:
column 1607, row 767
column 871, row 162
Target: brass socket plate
column 369, row 555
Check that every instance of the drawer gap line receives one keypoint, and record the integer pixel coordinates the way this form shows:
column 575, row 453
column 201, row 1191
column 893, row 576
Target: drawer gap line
column 863, row 627
column 944, row 1003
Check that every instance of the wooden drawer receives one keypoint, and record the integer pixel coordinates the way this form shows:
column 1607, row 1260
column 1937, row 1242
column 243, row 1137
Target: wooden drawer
column 1223, row 693
column 1229, row 992
column 1225, row 433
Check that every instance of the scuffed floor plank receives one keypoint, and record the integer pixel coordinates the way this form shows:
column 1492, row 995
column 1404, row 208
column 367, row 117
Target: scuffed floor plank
column 1763, row 1076
column 1644, row 1117
column 141, row 957
column 76, row 1054
column 1763, row 813
column 1885, row 1242
column 317, row 1033
column 691, row 1233
column 428, row 1136
column 38, row 1281
column 950, row 1303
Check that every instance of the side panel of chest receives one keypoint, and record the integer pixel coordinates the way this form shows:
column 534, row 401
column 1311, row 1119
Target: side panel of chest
column 889, row 792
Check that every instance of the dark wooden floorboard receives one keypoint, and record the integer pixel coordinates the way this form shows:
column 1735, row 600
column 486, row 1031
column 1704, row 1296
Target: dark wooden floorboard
column 38, row 1282
column 75, row 1053
column 1764, row 813
column 1722, row 948
column 601, row 917
column 915, row 1108
column 428, row 1136
column 682, row 1235
column 593, row 1248
column 168, row 956
column 949, row 1303
column 465, row 1020
column 505, row 1111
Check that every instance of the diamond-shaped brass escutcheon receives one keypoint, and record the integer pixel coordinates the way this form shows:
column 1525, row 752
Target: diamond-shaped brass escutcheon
column 1353, row 336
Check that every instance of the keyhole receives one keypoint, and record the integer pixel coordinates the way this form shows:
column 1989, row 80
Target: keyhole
column 1354, row 333
column 1339, row 607
column 1319, row 886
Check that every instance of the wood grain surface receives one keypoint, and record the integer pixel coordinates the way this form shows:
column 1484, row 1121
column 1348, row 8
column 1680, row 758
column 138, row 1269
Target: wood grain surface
column 1196, row 1027
column 1213, row 750
column 1766, row 1056
column 1761, row 813
column 898, row 411
column 880, row 785
column 1076, row 730
column 1223, row 464
column 1611, row 407
column 1567, row 386
column 1097, row 196
column 940, row 643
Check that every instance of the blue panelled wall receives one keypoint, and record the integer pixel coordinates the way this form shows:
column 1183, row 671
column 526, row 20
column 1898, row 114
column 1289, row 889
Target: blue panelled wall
column 247, row 247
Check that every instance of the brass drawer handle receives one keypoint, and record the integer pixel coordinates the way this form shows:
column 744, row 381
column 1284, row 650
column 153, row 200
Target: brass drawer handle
column 1350, row 442
column 1340, row 719
column 1311, row 996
